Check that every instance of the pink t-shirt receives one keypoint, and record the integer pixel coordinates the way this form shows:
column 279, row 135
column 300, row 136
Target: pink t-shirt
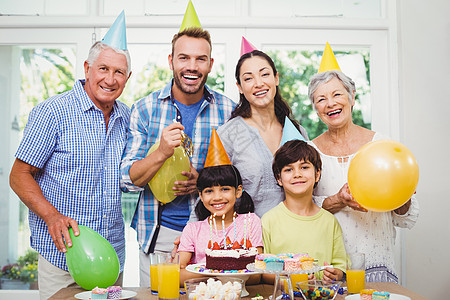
column 196, row 235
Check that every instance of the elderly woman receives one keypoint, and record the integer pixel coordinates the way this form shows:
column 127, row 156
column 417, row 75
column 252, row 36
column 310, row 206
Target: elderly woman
column 332, row 94
column 255, row 130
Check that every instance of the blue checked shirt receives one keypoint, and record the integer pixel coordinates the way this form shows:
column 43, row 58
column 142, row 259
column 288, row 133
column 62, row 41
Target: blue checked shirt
column 79, row 161
column 149, row 116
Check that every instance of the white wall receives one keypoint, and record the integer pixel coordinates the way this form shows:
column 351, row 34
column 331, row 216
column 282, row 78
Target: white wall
column 424, row 66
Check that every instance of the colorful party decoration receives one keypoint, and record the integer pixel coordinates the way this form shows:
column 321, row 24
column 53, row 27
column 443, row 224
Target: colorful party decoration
column 91, row 260
column 163, row 181
column 246, row 46
column 290, row 132
column 190, row 18
column 217, row 156
column 328, row 62
column 383, row 175
column 116, row 37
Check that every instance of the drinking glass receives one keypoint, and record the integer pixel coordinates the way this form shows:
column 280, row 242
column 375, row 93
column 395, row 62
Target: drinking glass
column 154, row 273
column 168, row 276
column 298, row 278
column 356, row 274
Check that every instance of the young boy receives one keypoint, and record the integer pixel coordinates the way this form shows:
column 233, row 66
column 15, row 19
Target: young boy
column 297, row 224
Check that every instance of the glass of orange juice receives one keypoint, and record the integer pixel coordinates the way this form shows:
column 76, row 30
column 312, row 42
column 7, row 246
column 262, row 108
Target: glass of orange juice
column 298, row 278
column 154, row 273
column 168, row 276
column 356, row 274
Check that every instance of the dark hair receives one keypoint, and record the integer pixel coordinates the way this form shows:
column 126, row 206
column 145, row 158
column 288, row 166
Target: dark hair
column 226, row 175
column 194, row 32
column 293, row 151
column 243, row 109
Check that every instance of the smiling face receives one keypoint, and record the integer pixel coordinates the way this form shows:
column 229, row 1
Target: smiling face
column 333, row 104
column 106, row 78
column 191, row 63
column 220, row 199
column 258, row 83
column 298, row 178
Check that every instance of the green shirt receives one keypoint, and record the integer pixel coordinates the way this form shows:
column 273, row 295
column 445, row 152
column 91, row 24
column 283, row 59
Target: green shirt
column 320, row 235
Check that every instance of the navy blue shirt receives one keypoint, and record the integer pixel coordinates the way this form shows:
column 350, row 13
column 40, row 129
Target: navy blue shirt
column 175, row 214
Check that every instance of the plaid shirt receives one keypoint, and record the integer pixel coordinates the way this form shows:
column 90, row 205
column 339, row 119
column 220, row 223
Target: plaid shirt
column 149, row 116
column 79, row 160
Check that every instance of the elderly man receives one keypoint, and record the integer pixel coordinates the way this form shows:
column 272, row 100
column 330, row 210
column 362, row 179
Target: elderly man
column 196, row 109
column 67, row 166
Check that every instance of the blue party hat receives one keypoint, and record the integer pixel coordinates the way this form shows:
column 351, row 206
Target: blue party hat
column 290, row 132
column 116, row 37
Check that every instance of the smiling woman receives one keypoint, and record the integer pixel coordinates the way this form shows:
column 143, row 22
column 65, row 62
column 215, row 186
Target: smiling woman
column 255, row 129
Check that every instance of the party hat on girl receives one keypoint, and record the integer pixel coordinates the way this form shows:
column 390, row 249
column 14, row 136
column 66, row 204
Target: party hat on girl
column 246, row 46
column 116, row 37
column 217, row 156
column 329, row 61
column 190, row 18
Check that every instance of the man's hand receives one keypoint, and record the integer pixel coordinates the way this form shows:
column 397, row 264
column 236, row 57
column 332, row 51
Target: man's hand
column 58, row 227
column 170, row 139
column 189, row 186
column 142, row 171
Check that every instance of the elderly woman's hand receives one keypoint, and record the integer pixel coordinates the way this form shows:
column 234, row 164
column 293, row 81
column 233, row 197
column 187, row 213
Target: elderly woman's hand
column 342, row 199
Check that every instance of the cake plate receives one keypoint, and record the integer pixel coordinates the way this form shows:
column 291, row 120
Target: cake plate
column 284, row 275
column 200, row 269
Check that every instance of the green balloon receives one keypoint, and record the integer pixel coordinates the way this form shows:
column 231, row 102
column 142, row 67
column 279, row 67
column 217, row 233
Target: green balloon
column 163, row 181
column 91, row 260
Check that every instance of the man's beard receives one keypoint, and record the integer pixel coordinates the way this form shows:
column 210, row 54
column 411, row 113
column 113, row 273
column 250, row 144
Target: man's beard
column 189, row 89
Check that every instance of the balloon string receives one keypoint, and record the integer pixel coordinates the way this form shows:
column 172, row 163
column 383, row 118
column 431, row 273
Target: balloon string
column 187, row 144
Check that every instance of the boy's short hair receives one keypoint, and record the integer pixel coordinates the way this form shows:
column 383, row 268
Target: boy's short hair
column 292, row 152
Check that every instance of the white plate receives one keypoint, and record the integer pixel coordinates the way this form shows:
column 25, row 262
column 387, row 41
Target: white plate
column 393, row 297
column 125, row 295
column 192, row 268
column 315, row 269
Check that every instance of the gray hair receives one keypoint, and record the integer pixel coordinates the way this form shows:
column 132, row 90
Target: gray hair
column 322, row 78
column 97, row 48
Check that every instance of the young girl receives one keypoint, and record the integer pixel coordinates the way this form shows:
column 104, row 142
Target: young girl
column 221, row 193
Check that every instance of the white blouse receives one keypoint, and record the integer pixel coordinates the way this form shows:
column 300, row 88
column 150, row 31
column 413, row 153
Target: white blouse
column 372, row 233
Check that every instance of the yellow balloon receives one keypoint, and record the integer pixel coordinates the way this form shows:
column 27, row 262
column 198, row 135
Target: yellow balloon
column 163, row 181
column 383, row 175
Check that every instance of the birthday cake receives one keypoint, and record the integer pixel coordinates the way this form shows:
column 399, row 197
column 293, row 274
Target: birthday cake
column 230, row 259
column 228, row 255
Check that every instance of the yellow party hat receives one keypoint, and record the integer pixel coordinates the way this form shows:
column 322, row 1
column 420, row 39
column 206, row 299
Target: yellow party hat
column 190, row 18
column 217, row 156
column 329, row 61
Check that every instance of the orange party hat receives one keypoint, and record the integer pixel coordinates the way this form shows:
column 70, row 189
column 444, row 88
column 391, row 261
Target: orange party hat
column 217, row 156
column 329, row 61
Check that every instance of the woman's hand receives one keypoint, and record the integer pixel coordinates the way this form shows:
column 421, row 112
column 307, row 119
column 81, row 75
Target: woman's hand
column 330, row 274
column 342, row 199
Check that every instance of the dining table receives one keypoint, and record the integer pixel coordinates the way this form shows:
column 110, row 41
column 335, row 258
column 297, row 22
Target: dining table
column 264, row 290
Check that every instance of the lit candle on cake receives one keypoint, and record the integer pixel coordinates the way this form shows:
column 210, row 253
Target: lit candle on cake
column 223, row 230
column 245, row 231
column 210, row 229
column 234, row 226
column 249, row 226
column 214, row 220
